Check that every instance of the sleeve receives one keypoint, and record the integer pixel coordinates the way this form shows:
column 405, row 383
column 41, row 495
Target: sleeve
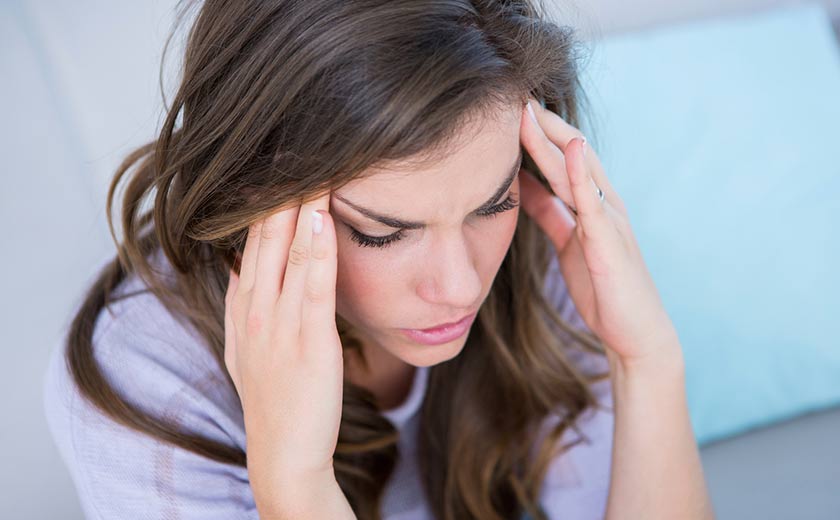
column 121, row 473
column 577, row 483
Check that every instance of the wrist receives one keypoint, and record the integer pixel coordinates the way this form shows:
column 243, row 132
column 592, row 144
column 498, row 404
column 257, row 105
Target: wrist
column 302, row 496
column 662, row 355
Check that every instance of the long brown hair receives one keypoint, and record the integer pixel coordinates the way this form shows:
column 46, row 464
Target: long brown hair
column 282, row 99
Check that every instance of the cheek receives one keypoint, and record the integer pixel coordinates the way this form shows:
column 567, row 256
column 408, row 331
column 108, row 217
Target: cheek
column 366, row 285
column 490, row 243
column 498, row 234
column 509, row 227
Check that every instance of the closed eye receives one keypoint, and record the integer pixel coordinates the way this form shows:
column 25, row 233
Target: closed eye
column 369, row 241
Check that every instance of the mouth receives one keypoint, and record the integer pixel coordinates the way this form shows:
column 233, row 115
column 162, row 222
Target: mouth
column 445, row 325
column 443, row 333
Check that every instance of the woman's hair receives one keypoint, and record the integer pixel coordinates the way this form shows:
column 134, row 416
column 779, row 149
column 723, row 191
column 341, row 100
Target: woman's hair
column 282, row 99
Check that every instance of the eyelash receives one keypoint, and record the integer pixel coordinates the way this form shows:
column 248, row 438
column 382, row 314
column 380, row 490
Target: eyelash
column 368, row 241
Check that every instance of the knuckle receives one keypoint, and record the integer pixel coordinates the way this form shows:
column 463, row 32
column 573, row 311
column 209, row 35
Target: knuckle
column 298, row 255
column 314, row 294
column 271, row 229
column 254, row 230
column 254, row 323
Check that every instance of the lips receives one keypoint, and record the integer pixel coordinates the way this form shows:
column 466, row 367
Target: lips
column 441, row 334
column 444, row 325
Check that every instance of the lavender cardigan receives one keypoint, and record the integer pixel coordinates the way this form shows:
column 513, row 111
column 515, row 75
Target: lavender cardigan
column 161, row 365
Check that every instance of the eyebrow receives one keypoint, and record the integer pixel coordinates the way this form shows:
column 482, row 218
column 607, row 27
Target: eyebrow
column 409, row 224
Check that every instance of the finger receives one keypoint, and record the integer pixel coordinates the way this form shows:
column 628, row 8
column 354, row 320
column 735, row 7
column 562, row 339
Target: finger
column 547, row 210
column 555, row 127
column 248, row 263
column 294, row 281
column 560, row 132
column 275, row 237
column 548, row 157
column 591, row 211
column 319, row 291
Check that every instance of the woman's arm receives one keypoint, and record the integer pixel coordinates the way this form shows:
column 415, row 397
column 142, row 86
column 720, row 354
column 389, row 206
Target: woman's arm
column 656, row 471
column 283, row 353
column 316, row 496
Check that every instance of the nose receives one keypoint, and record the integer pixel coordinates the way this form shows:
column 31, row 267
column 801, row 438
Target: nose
column 451, row 279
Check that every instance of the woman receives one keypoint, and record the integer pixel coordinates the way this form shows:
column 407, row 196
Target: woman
column 332, row 179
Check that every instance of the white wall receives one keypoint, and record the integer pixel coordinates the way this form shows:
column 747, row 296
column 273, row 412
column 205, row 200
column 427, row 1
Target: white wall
column 78, row 90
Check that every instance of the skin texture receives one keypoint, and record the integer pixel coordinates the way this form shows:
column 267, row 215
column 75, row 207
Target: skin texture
column 281, row 337
column 612, row 289
column 282, row 347
column 433, row 275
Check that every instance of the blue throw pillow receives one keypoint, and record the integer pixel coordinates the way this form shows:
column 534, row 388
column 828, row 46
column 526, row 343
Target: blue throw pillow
column 722, row 137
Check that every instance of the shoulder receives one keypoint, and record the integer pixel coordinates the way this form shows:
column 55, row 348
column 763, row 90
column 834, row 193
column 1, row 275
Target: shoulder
column 153, row 361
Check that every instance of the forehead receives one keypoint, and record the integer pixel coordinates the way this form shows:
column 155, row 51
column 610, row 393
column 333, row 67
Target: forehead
column 478, row 161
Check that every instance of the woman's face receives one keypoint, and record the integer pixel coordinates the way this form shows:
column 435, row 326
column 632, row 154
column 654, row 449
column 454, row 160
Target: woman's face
column 442, row 270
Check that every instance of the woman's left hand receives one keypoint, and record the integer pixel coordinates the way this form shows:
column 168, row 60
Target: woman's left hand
column 598, row 255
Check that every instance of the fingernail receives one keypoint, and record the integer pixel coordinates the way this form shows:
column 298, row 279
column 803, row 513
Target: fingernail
column 531, row 112
column 583, row 146
column 317, row 222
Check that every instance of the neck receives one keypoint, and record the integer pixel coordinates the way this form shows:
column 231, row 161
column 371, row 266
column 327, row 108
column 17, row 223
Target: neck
column 387, row 377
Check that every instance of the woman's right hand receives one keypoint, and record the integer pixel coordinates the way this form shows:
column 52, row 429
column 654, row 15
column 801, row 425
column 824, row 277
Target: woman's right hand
column 283, row 352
